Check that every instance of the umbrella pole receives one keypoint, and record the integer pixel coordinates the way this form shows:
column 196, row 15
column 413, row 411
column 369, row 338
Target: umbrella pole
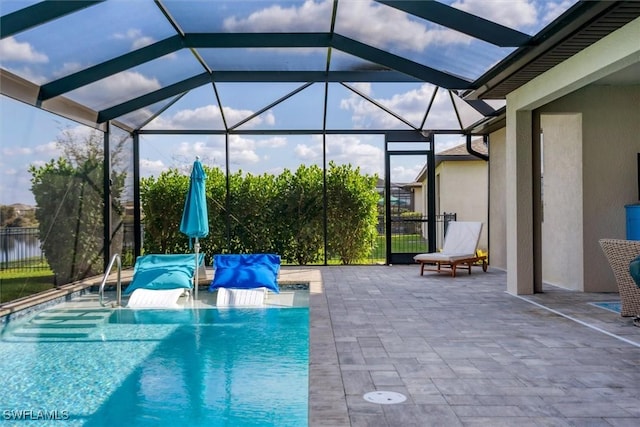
column 196, row 246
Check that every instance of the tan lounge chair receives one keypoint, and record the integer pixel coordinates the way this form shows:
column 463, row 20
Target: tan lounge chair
column 459, row 249
column 620, row 253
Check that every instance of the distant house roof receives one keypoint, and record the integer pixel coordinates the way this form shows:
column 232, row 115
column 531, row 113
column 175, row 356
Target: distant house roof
column 457, row 153
column 461, row 150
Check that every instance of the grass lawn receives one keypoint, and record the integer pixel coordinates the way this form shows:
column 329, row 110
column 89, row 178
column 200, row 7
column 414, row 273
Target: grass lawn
column 18, row 284
column 402, row 243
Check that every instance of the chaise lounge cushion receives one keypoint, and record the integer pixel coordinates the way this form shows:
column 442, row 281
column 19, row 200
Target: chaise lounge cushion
column 246, row 271
column 459, row 249
column 163, row 271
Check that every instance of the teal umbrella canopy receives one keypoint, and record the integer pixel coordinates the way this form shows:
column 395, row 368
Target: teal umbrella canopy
column 195, row 218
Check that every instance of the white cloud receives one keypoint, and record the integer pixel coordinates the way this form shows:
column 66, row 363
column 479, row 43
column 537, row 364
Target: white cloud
column 310, row 16
column 410, row 105
column 382, row 24
column 68, row 68
column 406, row 173
column 115, row 89
column 208, row 117
column 28, row 73
column 38, row 163
column 15, row 184
column 344, row 149
column 444, row 142
column 16, row 151
column 381, row 28
column 307, row 153
column 79, row 132
column 142, row 42
column 274, row 142
column 135, row 37
column 242, row 150
column 48, row 149
column 553, row 9
column 13, row 50
column 362, row 87
column 152, row 167
column 192, row 149
column 204, row 117
column 268, row 118
column 517, row 14
column 234, row 116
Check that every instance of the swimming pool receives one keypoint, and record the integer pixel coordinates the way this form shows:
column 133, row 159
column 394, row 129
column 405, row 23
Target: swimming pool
column 236, row 367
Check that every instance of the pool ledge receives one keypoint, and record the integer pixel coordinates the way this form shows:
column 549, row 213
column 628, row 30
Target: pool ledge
column 28, row 304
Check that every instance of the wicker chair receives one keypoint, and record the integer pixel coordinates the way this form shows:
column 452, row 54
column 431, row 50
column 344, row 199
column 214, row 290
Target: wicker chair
column 620, row 253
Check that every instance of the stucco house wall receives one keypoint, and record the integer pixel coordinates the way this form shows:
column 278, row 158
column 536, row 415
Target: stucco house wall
column 561, row 196
column 610, row 117
column 591, row 141
column 497, row 200
column 463, row 189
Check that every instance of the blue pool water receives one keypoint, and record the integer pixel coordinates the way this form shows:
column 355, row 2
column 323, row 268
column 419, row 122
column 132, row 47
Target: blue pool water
column 614, row 306
column 155, row 367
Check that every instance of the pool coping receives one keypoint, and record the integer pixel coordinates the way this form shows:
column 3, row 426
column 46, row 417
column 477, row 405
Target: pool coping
column 21, row 307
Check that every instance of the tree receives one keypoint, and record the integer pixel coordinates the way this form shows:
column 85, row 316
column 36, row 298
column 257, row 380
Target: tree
column 299, row 214
column 283, row 214
column 9, row 217
column 251, row 210
column 162, row 200
column 70, row 198
column 351, row 213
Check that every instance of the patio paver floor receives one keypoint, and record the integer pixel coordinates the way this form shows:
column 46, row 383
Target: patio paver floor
column 466, row 353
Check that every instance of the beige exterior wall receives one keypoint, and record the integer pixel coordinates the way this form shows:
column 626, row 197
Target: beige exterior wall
column 592, row 156
column 561, row 226
column 463, row 190
column 497, row 200
column 610, row 134
column 420, row 199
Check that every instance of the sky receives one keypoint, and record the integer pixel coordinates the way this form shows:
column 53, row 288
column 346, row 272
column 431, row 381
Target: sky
column 28, row 135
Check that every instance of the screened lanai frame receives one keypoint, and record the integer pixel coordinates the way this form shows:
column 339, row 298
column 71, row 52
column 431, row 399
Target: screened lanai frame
column 351, row 58
column 176, row 28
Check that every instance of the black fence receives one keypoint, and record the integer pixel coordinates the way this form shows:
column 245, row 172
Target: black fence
column 20, row 246
column 20, row 249
column 409, row 233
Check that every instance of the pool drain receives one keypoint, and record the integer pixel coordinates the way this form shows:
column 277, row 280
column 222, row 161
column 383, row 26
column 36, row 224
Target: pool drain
column 384, row 397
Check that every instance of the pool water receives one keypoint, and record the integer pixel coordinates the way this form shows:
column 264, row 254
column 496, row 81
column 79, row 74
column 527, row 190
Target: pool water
column 235, row 367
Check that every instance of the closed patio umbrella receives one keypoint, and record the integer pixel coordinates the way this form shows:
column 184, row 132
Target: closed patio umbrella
column 195, row 218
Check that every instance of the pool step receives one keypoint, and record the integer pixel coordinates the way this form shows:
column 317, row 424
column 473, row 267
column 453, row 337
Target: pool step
column 70, row 323
column 52, row 334
column 59, row 325
column 58, row 318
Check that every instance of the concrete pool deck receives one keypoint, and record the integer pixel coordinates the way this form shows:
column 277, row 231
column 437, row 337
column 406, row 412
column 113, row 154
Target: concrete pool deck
column 466, row 353
column 462, row 350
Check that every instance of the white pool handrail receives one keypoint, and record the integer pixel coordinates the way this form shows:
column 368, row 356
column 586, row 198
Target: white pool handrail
column 115, row 258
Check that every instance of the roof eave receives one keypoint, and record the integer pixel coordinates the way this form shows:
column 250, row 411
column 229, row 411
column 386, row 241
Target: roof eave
column 501, row 79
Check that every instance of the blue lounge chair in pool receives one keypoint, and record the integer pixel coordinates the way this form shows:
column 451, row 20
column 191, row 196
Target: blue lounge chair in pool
column 160, row 279
column 244, row 279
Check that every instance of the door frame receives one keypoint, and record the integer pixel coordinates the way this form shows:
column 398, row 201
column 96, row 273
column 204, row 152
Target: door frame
column 409, row 137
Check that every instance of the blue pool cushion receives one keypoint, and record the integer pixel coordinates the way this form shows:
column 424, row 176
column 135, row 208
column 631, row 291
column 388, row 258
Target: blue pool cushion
column 634, row 270
column 163, row 271
column 246, row 271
